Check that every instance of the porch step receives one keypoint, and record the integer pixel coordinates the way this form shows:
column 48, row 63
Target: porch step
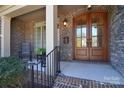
column 63, row 81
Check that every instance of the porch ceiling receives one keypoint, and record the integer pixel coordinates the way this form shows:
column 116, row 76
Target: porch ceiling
column 70, row 9
column 65, row 9
column 23, row 10
column 34, row 15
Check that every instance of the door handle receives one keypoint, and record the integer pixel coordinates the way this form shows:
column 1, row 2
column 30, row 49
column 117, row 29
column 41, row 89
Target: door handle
column 89, row 42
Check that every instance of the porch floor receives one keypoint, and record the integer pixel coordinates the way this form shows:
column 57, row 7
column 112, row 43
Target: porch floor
column 91, row 71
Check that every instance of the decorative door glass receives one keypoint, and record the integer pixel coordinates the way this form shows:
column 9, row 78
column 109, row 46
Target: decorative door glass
column 97, row 29
column 81, row 33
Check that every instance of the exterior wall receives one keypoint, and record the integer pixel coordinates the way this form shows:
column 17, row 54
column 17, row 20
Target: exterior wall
column 117, row 39
column 67, row 49
column 17, row 36
column 22, row 29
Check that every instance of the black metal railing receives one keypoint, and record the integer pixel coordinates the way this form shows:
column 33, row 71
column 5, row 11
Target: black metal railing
column 44, row 72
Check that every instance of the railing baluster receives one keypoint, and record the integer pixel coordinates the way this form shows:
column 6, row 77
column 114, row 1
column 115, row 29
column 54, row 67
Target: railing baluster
column 59, row 59
column 50, row 69
column 47, row 74
column 41, row 72
column 47, row 68
column 53, row 66
column 54, row 63
column 37, row 74
column 32, row 75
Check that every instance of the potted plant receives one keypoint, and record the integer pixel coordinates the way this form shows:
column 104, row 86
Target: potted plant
column 41, row 51
column 11, row 72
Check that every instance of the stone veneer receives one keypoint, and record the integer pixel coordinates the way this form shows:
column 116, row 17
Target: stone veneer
column 117, row 39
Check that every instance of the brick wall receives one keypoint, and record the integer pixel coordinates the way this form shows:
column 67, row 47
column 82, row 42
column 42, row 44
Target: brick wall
column 17, row 36
column 22, row 29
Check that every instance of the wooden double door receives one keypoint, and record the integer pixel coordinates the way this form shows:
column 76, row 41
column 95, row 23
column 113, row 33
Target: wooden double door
column 90, row 36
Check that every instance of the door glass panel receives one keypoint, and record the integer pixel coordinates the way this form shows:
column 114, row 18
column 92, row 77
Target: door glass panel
column 97, row 29
column 84, row 31
column 84, row 42
column 94, row 31
column 78, row 32
column 94, row 41
column 78, row 42
column 81, row 32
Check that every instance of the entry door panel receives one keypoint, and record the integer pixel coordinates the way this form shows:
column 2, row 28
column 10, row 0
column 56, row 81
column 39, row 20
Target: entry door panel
column 81, row 35
column 97, row 33
column 90, row 36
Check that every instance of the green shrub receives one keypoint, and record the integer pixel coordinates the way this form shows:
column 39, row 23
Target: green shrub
column 41, row 51
column 11, row 72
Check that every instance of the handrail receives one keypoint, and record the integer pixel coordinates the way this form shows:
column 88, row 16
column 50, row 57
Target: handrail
column 52, row 51
column 44, row 56
column 46, row 69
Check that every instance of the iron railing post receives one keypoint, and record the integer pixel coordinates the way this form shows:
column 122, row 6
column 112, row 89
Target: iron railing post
column 58, row 59
column 50, row 68
column 32, row 76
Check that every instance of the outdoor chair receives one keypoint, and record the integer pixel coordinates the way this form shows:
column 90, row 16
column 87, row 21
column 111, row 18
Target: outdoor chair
column 25, row 52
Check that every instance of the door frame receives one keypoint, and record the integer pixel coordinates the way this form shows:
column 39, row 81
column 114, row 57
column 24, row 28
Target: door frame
column 106, row 56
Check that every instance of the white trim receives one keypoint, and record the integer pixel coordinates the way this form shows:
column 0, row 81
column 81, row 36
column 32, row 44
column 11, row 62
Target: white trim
column 51, row 27
column 5, row 33
column 1, row 35
column 11, row 9
column 5, row 7
column 38, row 24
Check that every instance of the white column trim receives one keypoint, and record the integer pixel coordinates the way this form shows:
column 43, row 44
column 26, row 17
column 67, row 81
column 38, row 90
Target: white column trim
column 5, row 33
column 51, row 34
column 51, row 27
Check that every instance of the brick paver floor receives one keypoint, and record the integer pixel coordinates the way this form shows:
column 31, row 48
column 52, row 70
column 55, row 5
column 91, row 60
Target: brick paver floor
column 63, row 81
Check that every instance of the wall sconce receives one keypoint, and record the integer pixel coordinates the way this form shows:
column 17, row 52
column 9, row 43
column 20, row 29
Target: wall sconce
column 65, row 22
column 89, row 7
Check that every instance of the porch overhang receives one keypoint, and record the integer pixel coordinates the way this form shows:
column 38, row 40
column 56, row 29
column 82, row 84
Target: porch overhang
column 17, row 10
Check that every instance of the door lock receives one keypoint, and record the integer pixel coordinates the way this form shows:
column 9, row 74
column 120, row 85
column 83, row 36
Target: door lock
column 89, row 42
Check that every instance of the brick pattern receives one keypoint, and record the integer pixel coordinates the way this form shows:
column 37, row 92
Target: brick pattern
column 22, row 29
column 17, row 36
column 71, row 82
